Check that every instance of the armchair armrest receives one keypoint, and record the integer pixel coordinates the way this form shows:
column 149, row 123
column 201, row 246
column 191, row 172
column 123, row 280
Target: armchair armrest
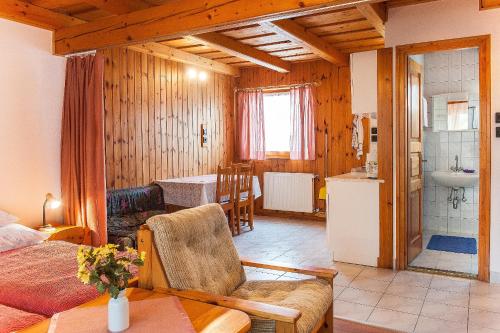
column 258, row 309
column 324, row 273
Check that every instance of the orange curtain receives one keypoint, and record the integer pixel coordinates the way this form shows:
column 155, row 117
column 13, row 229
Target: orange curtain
column 83, row 184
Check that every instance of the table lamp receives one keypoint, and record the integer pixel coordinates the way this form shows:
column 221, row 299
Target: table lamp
column 52, row 203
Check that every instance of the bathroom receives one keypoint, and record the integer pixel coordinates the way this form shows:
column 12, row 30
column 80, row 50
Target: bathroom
column 450, row 156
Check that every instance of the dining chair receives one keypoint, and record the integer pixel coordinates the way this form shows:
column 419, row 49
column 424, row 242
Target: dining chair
column 191, row 254
column 224, row 194
column 244, row 198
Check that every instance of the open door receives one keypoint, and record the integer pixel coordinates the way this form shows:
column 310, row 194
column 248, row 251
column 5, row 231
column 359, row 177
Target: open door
column 415, row 174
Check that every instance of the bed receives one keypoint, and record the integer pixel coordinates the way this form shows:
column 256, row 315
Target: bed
column 38, row 281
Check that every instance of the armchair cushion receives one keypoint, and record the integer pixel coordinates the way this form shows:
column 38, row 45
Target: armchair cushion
column 197, row 250
column 311, row 297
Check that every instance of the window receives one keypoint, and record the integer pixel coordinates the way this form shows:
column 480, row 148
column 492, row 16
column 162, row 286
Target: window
column 277, row 124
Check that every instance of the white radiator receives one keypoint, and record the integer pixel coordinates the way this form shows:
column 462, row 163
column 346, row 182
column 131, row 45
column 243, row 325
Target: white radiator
column 291, row 192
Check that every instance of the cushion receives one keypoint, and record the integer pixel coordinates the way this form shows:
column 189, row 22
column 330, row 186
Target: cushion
column 14, row 236
column 311, row 297
column 197, row 250
column 132, row 220
column 6, row 218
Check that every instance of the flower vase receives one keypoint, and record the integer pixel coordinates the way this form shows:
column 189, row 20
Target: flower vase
column 118, row 314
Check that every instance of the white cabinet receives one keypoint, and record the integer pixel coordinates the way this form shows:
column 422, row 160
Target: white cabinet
column 364, row 82
column 353, row 219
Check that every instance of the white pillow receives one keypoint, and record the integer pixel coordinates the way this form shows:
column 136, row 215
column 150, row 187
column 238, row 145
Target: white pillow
column 6, row 218
column 14, row 236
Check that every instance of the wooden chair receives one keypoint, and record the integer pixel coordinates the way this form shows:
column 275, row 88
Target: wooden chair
column 244, row 198
column 191, row 254
column 224, row 194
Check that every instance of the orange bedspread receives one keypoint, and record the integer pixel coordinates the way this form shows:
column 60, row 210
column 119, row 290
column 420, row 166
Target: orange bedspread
column 42, row 279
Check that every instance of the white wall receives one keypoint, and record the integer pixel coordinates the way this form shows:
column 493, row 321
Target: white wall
column 31, row 96
column 448, row 19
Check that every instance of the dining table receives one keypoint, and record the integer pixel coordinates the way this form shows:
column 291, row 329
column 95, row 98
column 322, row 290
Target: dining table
column 195, row 191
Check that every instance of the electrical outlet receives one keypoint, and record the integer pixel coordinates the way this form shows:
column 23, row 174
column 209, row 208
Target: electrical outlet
column 204, row 135
column 497, row 117
column 498, row 132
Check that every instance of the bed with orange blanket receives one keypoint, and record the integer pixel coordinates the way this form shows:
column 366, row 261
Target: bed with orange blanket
column 38, row 281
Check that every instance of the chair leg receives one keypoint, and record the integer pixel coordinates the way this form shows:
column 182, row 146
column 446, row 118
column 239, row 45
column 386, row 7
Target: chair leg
column 250, row 215
column 231, row 222
column 238, row 219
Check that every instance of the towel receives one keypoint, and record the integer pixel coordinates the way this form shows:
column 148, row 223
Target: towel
column 357, row 135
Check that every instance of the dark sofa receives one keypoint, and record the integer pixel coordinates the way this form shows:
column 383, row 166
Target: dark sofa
column 128, row 209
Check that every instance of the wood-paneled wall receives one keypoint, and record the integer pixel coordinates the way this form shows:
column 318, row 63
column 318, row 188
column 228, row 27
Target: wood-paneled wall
column 153, row 114
column 333, row 114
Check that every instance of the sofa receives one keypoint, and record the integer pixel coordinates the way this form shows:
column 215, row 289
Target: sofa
column 128, row 209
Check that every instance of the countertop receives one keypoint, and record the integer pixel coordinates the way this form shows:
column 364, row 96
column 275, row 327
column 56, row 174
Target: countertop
column 354, row 177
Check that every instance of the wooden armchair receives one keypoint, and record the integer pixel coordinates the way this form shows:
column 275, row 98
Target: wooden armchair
column 191, row 254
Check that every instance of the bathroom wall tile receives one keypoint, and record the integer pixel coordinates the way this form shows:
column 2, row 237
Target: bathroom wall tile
column 442, row 209
column 455, row 85
column 443, row 224
column 468, row 56
column 476, row 136
column 467, row 135
column 443, row 137
column 467, row 226
column 430, row 194
column 468, row 72
column 469, row 195
column 454, row 212
column 467, row 162
column 456, row 73
column 454, row 225
column 468, row 149
column 430, row 164
column 442, row 163
column 467, row 210
column 475, row 210
column 455, row 136
column 476, row 195
column 442, row 194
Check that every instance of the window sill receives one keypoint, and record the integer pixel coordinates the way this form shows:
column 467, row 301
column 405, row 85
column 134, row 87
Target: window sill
column 277, row 155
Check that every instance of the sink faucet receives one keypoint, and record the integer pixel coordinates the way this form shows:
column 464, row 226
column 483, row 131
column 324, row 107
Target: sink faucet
column 456, row 168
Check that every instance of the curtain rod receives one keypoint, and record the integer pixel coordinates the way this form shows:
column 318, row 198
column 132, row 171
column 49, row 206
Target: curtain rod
column 81, row 54
column 283, row 86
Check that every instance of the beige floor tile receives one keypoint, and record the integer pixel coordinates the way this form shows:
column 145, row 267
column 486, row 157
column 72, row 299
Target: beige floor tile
column 261, row 276
column 343, row 280
column 450, row 284
column 444, row 312
column 485, row 289
column 402, row 304
column 486, row 319
column 378, row 274
column 352, row 311
column 337, row 290
column 477, row 329
column 447, row 297
column 431, row 325
column 360, row 296
column 348, row 269
column 395, row 320
column 369, row 284
column 484, row 303
column 404, row 290
column 413, row 278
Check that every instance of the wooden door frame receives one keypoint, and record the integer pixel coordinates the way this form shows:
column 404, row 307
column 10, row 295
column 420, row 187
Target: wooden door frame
column 403, row 52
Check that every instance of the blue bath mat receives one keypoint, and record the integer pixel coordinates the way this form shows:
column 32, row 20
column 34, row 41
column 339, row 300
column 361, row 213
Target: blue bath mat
column 453, row 244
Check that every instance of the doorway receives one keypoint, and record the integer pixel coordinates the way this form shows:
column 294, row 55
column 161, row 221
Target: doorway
column 426, row 234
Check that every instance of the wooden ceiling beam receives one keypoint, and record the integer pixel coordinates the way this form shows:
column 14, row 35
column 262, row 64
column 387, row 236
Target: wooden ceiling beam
column 376, row 14
column 238, row 49
column 24, row 12
column 119, row 7
column 299, row 34
column 177, row 18
column 170, row 53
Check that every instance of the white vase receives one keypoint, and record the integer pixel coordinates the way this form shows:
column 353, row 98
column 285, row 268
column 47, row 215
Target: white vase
column 118, row 315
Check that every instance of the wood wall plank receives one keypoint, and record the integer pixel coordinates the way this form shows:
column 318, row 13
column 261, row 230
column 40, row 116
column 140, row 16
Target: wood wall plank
column 153, row 113
column 333, row 113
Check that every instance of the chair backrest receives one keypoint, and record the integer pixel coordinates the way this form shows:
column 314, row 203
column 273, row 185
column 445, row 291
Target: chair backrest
column 225, row 185
column 196, row 250
column 244, row 179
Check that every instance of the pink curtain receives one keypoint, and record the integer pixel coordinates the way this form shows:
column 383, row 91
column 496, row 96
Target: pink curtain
column 303, row 131
column 251, row 124
column 83, row 184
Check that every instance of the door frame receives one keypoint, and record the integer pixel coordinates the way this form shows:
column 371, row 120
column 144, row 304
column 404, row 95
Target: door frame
column 403, row 52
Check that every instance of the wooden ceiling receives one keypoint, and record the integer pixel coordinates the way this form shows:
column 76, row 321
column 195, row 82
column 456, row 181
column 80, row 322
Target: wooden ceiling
column 329, row 32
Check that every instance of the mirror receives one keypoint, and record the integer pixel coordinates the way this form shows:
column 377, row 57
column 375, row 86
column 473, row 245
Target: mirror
column 458, row 115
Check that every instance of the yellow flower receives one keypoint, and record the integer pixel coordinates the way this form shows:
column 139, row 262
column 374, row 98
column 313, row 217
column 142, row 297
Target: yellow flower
column 143, row 255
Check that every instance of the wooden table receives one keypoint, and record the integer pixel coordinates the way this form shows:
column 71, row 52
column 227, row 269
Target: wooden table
column 205, row 318
column 69, row 233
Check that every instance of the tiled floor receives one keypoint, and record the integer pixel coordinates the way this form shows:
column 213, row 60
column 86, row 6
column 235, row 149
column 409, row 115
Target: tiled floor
column 406, row 301
column 448, row 261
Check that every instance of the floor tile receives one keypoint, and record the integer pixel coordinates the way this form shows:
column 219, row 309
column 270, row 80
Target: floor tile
column 485, row 289
column 413, row 278
column 431, row 325
column 404, row 290
column 369, row 284
column 378, row 274
column 402, row 304
column 450, row 284
column 477, row 329
column 360, row 296
column 448, row 297
column 486, row 319
column 352, row 311
column 484, row 303
column 444, row 312
column 395, row 320
column 343, row 280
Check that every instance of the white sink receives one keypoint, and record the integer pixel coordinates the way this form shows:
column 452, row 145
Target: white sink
column 455, row 179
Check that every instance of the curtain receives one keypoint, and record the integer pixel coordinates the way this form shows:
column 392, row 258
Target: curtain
column 82, row 147
column 303, row 132
column 251, row 124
